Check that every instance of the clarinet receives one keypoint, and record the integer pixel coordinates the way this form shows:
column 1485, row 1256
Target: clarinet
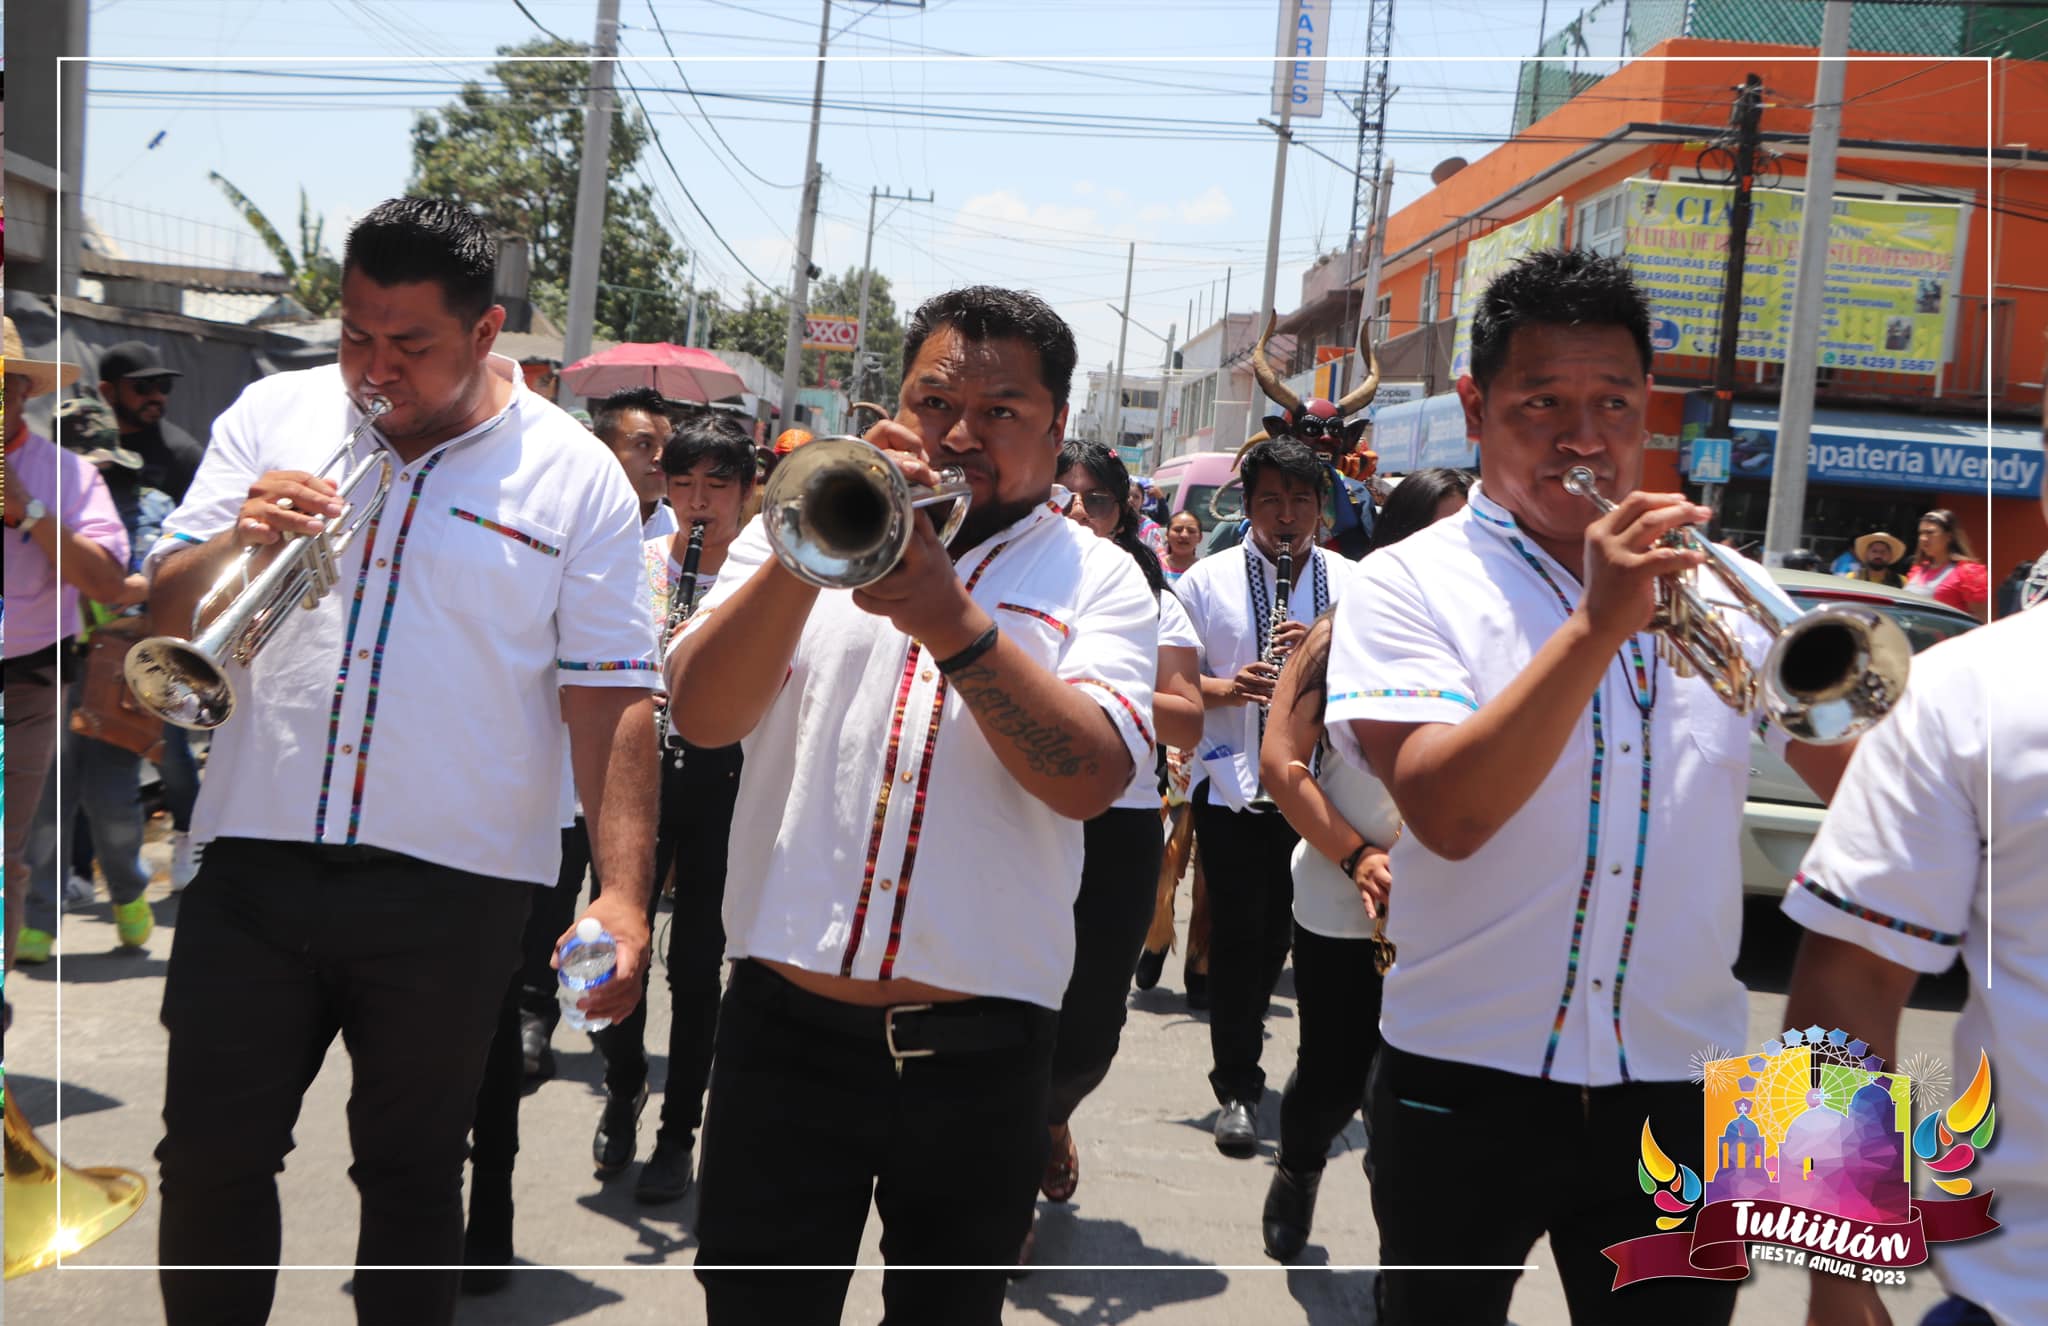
column 1283, row 590
column 682, row 601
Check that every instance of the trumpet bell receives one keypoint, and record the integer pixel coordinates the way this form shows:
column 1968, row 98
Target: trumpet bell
column 1834, row 672
column 180, row 682
column 839, row 515
column 93, row 1202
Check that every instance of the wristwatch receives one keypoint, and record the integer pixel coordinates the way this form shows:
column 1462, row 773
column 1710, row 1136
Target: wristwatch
column 35, row 512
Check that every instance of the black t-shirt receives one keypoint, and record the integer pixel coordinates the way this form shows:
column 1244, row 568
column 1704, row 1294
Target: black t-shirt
column 170, row 457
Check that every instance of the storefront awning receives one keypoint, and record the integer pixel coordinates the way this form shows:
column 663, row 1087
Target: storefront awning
column 1874, row 449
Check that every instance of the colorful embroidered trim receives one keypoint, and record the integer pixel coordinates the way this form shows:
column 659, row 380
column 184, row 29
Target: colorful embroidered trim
column 1050, row 620
column 881, row 813
column 609, row 665
column 1872, row 915
column 1137, row 719
column 916, row 830
column 1485, row 508
column 1404, row 693
column 506, row 530
column 191, row 538
column 412, row 505
column 1635, row 890
column 348, row 652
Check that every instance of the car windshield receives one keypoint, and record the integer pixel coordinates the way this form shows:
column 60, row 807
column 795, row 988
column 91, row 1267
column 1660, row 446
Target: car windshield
column 1923, row 625
column 1198, row 499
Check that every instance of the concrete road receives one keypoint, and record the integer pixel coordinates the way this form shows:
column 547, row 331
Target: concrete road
column 1162, row 1230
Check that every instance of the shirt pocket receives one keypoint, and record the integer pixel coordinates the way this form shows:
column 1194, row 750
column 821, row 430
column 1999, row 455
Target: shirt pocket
column 1719, row 733
column 493, row 562
column 1041, row 626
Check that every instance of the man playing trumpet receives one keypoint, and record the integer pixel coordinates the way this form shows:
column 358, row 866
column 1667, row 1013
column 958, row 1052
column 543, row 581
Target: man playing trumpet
column 907, row 844
column 1570, row 876
column 388, row 776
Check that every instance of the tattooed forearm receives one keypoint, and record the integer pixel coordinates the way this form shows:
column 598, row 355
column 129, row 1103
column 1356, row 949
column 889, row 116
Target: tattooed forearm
column 1046, row 747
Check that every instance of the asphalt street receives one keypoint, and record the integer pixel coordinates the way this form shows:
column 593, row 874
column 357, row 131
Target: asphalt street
column 1162, row 1230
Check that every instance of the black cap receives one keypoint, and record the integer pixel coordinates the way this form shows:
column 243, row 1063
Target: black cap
column 133, row 359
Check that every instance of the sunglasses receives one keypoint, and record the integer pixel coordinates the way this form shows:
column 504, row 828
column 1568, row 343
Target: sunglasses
column 157, row 386
column 1098, row 505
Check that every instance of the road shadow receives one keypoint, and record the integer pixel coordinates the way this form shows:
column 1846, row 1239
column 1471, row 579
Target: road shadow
column 36, row 1097
column 659, row 1232
column 89, row 967
column 1090, row 1297
column 1770, row 943
column 1327, row 1297
column 536, row 1297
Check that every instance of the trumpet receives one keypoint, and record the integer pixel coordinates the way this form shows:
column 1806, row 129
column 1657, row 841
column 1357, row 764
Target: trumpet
column 186, row 682
column 682, row 601
column 1831, row 673
column 839, row 514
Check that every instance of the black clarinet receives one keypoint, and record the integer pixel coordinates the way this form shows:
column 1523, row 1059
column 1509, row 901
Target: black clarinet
column 1283, row 590
column 682, row 601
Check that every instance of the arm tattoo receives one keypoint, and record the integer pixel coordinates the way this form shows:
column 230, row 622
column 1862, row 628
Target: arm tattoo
column 1047, row 748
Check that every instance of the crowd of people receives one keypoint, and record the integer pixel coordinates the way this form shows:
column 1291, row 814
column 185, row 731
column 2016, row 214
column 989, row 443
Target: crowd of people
column 923, row 834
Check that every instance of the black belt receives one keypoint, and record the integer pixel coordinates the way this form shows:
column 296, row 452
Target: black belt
column 909, row 1031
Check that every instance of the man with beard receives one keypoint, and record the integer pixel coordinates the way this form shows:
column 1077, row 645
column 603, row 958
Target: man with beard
column 906, row 846
column 135, row 385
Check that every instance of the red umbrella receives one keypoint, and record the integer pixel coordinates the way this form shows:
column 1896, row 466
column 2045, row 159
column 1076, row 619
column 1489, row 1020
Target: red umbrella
column 679, row 372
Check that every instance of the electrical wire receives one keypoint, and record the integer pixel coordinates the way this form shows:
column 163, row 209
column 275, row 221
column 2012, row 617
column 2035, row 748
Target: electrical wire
column 709, row 123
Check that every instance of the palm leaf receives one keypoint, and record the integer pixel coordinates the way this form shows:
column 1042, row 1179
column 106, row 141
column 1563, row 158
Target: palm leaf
column 259, row 223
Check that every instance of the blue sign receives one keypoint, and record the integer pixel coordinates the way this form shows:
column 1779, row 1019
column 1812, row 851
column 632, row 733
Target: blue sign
column 1664, row 334
column 1710, row 457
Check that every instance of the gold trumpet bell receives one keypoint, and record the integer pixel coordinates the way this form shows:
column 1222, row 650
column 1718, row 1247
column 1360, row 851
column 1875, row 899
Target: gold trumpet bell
column 54, row 1209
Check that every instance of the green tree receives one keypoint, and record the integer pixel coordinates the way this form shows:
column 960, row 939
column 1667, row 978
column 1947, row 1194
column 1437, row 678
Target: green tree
column 841, row 294
column 757, row 327
column 312, row 270
column 513, row 153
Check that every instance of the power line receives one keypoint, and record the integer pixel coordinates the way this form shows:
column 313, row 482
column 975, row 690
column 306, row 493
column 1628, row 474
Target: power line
column 708, row 121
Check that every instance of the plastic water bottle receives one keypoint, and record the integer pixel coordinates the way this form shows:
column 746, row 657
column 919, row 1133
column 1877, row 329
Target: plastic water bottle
column 587, row 962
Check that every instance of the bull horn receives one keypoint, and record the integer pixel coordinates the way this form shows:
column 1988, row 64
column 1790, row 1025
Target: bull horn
column 1251, row 442
column 1269, row 381
column 874, row 409
column 1361, row 395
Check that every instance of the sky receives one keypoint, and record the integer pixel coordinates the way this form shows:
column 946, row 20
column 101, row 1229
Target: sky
column 1153, row 139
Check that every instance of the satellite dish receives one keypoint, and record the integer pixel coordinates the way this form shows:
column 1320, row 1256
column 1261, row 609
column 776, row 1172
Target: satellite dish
column 1446, row 168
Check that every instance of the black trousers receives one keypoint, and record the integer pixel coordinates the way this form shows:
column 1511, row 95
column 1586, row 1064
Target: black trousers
column 807, row 1124
column 1337, row 997
column 696, row 821
column 1111, row 914
column 1441, row 1131
column 553, row 910
column 1251, row 920
column 279, row 947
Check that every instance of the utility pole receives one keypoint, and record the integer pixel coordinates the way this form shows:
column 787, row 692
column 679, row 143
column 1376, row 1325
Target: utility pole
column 806, row 228
column 1116, row 383
column 1749, row 110
column 867, row 257
column 1282, row 71
column 1165, row 377
column 1795, row 403
column 689, row 284
column 592, row 176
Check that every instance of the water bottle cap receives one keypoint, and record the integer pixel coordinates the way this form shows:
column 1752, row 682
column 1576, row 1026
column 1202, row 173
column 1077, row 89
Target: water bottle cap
column 588, row 930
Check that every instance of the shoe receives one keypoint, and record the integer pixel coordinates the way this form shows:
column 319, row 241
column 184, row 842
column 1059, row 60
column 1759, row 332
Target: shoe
column 32, row 947
column 1198, row 991
column 666, row 1175
column 133, row 921
column 618, row 1132
column 79, row 892
column 1290, row 1210
column 1150, row 964
column 185, row 858
column 536, row 1055
column 487, row 1239
column 1236, row 1134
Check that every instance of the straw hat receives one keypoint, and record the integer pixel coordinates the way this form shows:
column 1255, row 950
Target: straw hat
column 1896, row 544
column 44, row 375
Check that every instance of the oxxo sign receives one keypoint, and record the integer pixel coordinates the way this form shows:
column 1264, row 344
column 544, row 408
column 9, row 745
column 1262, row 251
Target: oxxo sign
column 831, row 331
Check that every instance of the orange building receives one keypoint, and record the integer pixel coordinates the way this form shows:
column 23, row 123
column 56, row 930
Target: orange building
column 1914, row 129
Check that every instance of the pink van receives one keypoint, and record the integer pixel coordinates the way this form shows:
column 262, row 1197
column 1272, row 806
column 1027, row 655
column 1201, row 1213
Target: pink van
column 1189, row 482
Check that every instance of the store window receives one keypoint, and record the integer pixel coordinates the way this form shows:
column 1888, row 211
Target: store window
column 1603, row 224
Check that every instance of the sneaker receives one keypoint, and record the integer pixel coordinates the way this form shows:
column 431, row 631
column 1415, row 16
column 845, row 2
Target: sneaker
column 133, row 921
column 185, row 858
column 32, row 947
column 666, row 1175
column 536, row 1056
column 79, row 892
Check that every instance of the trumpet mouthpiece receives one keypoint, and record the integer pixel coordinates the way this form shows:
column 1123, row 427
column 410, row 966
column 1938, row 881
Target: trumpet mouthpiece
column 376, row 406
column 1578, row 481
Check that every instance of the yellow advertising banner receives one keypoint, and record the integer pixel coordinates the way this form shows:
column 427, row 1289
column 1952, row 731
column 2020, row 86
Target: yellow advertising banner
column 1892, row 268
column 1484, row 259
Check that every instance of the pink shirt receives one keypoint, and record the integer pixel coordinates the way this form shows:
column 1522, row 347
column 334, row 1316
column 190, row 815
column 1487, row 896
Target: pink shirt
column 1961, row 585
column 41, row 611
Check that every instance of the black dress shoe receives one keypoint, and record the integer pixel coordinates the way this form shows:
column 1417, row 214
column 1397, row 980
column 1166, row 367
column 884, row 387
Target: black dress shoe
column 1236, row 1134
column 537, row 1056
column 666, row 1175
column 1150, row 964
column 1198, row 991
column 1290, row 1210
column 487, row 1239
column 618, row 1132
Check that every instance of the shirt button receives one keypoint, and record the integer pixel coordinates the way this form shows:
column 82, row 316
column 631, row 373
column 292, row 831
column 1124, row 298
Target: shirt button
column 404, row 475
column 1625, row 748
column 906, row 775
column 347, row 749
column 362, row 653
column 382, row 563
column 888, row 884
column 1614, row 869
column 1599, row 984
column 926, row 675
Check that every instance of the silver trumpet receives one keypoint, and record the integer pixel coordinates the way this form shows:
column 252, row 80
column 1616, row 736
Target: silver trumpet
column 186, row 682
column 1831, row 673
column 839, row 515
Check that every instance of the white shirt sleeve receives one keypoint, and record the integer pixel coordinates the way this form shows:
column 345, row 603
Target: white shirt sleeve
column 1390, row 659
column 231, row 463
column 601, row 610
column 1897, row 863
column 1113, row 652
column 746, row 555
column 1175, row 630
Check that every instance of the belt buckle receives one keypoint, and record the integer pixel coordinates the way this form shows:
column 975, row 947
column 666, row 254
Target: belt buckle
column 889, row 1034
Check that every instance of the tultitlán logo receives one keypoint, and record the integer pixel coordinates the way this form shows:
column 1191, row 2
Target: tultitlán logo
column 1808, row 1150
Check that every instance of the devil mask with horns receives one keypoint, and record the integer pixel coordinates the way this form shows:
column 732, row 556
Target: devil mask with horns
column 1325, row 426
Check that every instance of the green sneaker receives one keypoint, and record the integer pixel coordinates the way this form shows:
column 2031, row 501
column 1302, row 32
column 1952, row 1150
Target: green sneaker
column 32, row 947
column 133, row 921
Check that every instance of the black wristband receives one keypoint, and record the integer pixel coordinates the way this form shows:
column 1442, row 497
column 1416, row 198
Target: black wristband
column 982, row 644
column 1350, row 863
